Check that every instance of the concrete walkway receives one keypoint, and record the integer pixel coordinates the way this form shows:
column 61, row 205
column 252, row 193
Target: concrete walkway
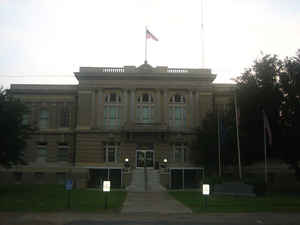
column 152, row 202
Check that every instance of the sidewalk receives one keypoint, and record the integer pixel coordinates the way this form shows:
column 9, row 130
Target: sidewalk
column 152, row 202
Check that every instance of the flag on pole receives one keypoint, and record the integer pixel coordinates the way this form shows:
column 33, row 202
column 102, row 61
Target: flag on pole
column 150, row 35
column 267, row 127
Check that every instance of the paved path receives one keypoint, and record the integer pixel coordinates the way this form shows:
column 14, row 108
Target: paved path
column 152, row 202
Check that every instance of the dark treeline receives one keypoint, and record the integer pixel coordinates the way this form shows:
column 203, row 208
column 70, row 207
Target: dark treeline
column 270, row 84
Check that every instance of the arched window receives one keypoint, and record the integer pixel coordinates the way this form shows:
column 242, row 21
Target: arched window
column 112, row 110
column 177, row 111
column 44, row 119
column 145, row 108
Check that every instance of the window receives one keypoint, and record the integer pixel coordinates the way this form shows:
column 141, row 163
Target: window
column 111, row 152
column 25, row 119
column 62, row 154
column 145, row 108
column 61, row 178
column 39, row 177
column 41, row 153
column 64, row 117
column 44, row 119
column 18, row 177
column 112, row 110
column 177, row 111
column 180, row 152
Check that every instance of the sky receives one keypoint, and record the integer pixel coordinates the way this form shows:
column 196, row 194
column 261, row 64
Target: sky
column 45, row 41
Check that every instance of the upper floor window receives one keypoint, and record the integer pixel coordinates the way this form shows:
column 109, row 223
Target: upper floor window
column 64, row 117
column 112, row 110
column 145, row 108
column 177, row 111
column 44, row 119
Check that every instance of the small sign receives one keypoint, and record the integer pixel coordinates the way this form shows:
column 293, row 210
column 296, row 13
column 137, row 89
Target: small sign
column 205, row 189
column 69, row 185
column 106, row 186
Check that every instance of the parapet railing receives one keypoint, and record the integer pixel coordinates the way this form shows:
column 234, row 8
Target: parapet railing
column 103, row 69
column 133, row 69
column 175, row 70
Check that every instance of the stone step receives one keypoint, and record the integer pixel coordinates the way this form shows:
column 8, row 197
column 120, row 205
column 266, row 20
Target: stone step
column 138, row 181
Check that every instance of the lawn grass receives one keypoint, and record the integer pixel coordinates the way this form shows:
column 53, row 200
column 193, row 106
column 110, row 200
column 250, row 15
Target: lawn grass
column 50, row 198
column 275, row 203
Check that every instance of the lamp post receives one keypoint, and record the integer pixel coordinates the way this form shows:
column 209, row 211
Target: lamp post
column 126, row 160
column 165, row 163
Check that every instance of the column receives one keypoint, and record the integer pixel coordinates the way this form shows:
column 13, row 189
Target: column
column 100, row 107
column 158, row 109
column 125, row 107
column 132, row 105
column 165, row 107
column 191, row 109
column 197, row 108
column 93, row 110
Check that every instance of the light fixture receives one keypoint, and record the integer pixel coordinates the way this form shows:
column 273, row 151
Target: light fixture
column 126, row 160
column 165, row 160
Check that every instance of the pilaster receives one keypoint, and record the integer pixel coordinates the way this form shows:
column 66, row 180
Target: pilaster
column 100, row 107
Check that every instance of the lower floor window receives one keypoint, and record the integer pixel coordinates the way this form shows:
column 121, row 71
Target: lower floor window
column 111, row 152
column 41, row 153
column 180, row 152
column 62, row 153
column 39, row 177
column 18, row 176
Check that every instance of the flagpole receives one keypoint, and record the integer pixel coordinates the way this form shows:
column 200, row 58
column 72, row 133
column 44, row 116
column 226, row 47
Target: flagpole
column 265, row 150
column 202, row 35
column 146, row 45
column 237, row 137
column 219, row 144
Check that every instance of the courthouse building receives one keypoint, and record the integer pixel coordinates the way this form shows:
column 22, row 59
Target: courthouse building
column 115, row 118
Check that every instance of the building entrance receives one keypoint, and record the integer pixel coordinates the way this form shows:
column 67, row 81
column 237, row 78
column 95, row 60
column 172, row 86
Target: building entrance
column 144, row 156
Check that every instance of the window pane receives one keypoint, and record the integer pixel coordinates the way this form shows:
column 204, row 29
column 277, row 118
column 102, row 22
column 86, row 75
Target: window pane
column 62, row 153
column 113, row 97
column 111, row 154
column 41, row 153
column 44, row 119
column 145, row 98
column 25, row 119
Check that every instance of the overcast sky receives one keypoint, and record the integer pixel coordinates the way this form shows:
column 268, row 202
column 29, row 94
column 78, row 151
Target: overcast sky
column 45, row 41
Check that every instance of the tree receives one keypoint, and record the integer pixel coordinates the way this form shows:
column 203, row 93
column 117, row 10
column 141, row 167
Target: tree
column 13, row 132
column 258, row 88
column 290, row 112
column 208, row 141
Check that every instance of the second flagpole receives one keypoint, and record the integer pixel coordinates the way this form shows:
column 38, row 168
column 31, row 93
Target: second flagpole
column 145, row 45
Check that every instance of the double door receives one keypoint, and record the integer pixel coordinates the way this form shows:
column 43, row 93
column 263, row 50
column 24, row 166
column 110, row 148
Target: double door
column 144, row 157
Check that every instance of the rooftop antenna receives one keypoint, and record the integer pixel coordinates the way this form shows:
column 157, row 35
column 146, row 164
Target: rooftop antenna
column 202, row 36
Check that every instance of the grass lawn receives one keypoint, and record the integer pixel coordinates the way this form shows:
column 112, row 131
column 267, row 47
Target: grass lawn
column 195, row 201
column 49, row 198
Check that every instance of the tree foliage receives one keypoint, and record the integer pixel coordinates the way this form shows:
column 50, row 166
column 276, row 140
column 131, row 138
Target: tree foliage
column 13, row 133
column 270, row 84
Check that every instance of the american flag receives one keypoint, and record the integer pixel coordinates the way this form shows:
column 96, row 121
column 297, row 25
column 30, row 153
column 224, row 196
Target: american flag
column 150, row 35
column 267, row 127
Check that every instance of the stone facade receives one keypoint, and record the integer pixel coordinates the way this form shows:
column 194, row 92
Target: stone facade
column 141, row 114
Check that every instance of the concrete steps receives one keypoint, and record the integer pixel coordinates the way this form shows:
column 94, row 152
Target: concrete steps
column 138, row 181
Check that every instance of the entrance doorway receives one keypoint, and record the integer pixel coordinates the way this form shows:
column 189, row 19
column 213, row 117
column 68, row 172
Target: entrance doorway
column 144, row 156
